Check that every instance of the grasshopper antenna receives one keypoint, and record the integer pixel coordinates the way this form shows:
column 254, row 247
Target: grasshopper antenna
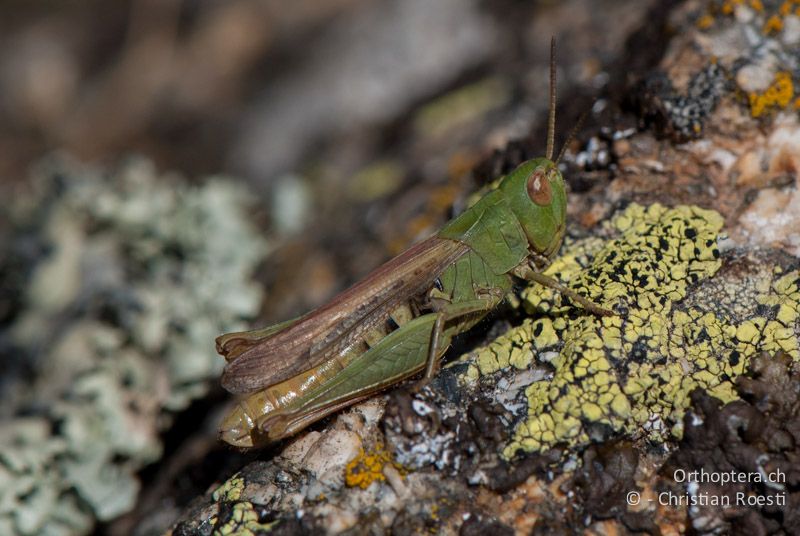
column 551, row 116
column 572, row 134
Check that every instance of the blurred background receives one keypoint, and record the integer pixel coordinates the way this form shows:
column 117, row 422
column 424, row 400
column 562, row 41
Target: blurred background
column 173, row 169
column 321, row 107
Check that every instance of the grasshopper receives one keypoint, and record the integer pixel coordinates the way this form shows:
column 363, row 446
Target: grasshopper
column 402, row 317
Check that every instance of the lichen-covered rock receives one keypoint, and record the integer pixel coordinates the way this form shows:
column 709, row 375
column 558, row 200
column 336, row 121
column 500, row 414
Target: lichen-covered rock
column 727, row 89
column 633, row 372
column 757, row 435
column 685, row 226
column 140, row 273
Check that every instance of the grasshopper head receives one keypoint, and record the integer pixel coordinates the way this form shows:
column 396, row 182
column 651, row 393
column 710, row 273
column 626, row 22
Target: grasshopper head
column 538, row 198
column 536, row 190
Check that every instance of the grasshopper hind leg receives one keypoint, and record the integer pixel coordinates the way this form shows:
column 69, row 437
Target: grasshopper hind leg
column 440, row 337
column 432, row 366
column 432, row 363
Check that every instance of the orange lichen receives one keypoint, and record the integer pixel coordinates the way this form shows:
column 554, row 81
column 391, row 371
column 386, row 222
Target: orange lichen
column 367, row 468
column 778, row 95
column 729, row 5
column 774, row 24
column 705, row 22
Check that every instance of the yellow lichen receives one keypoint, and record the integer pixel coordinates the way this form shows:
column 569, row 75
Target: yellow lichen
column 368, row 467
column 435, row 512
column 784, row 300
column 516, row 350
column 242, row 520
column 231, row 490
column 633, row 372
column 778, row 95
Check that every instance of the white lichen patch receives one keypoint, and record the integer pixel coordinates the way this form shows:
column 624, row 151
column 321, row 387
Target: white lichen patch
column 622, row 372
column 140, row 274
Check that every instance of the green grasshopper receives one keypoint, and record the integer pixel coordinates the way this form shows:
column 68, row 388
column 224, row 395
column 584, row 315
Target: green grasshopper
column 402, row 317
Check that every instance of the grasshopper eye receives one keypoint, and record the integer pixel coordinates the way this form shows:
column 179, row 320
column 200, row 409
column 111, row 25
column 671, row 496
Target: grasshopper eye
column 539, row 188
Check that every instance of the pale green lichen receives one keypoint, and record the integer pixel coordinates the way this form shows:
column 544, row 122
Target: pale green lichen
column 141, row 273
column 633, row 372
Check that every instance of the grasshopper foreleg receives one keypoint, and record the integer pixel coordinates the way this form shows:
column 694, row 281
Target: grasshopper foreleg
column 587, row 304
column 538, row 262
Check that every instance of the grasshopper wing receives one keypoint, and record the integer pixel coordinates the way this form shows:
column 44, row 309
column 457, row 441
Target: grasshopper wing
column 255, row 362
column 399, row 355
column 232, row 345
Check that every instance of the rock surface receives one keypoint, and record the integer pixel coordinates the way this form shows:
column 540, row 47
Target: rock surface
column 684, row 218
column 682, row 221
